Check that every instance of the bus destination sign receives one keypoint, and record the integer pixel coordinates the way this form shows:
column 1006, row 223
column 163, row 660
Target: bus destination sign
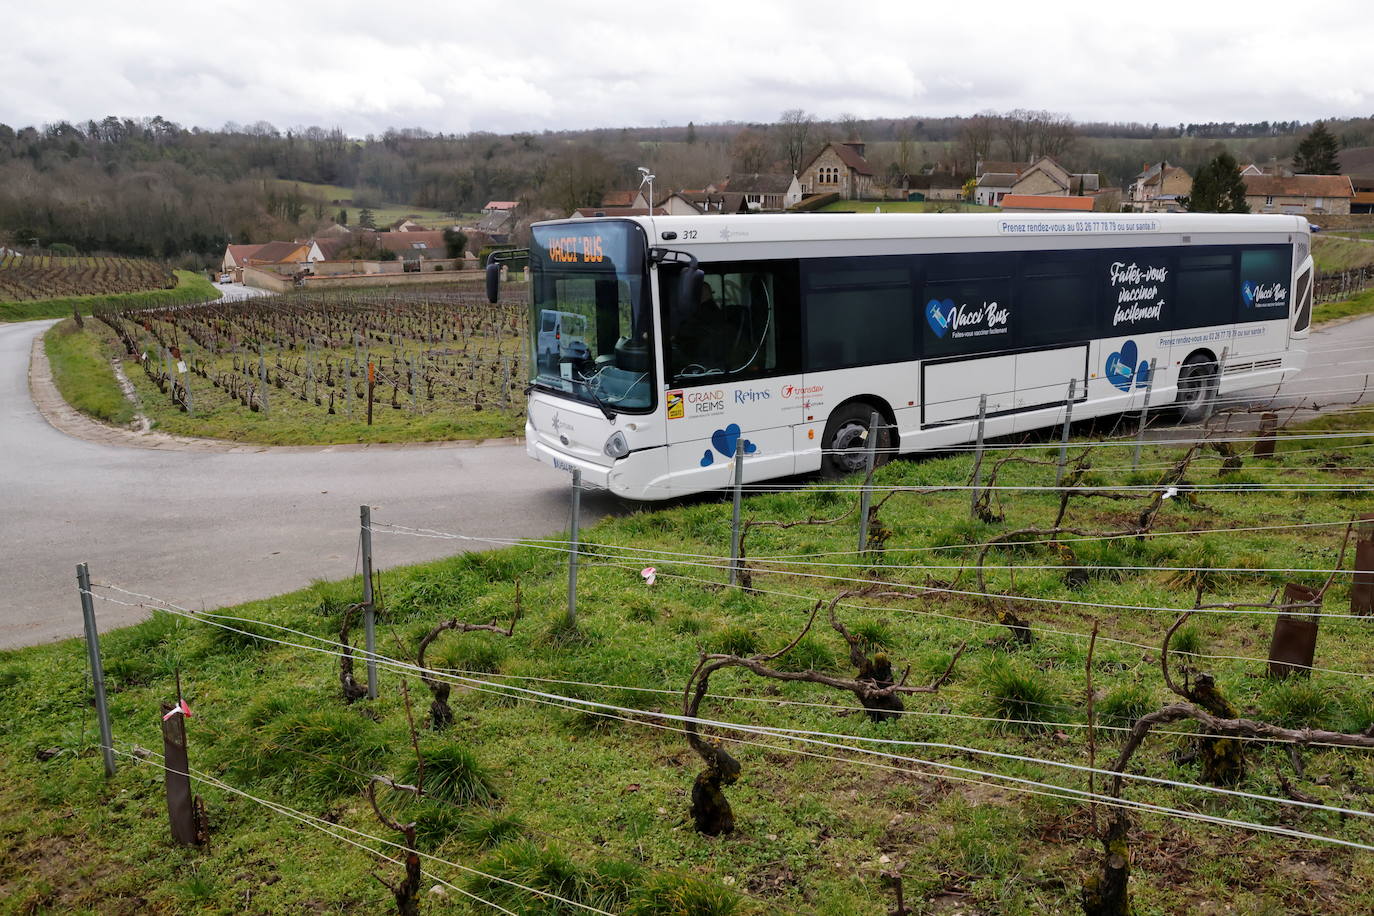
column 576, row 249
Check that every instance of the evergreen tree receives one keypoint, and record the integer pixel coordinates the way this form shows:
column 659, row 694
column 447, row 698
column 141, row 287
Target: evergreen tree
column 1316, row 153
column 365, row 219
column 1218, row 188
column 343, row 218
column 691, row 132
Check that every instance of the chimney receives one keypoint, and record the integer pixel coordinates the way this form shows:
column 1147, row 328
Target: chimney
column 856, row 145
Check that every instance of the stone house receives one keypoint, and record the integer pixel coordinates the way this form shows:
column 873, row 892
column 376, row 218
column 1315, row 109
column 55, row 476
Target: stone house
column 1314, row 194
column 1047, row 178
column 839, row 168
column 1159, row 186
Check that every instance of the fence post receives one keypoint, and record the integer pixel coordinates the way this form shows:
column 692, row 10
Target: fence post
column 262, row 378
column 978, row 456
column 371, row 381
column 1362, row 588
column 1144, row 417
column 734, row 514
column 1264, row 445
column 102, row 708
column 866, row 495
column 574, row 527
column 1064, row 436
column 369, row 613
column 1216, row 385
column 176, row 776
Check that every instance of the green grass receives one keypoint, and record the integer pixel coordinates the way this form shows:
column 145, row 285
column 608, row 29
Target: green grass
column 1359, row 304
column 597, row 807
column 191, row 287
column 903, row 206
column 383, row 215
column 82, row 373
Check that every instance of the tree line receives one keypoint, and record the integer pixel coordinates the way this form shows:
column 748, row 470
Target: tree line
column 154, row 188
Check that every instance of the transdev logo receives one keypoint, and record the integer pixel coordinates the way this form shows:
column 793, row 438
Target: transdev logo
column 940, row 315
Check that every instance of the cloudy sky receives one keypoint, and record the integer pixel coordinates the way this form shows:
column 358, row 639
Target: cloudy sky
column 534, row 65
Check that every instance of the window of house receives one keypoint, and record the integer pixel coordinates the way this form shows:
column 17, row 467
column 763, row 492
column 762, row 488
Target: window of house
column 1269, row 201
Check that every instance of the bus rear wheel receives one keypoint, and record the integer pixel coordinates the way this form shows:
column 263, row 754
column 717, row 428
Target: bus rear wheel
column 845, row 442
column 1197, row 387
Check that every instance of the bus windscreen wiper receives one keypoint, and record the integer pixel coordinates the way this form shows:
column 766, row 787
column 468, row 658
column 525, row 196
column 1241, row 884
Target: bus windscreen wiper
column 601, row 405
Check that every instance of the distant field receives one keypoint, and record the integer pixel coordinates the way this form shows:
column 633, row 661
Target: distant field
column 186, row 286
column 902, row 206
column 383, row 215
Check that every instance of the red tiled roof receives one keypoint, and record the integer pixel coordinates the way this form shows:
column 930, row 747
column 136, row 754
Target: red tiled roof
column 241, row 253
column 1298, row 186
column 1045, row 202
column 617, row 211
column 850, row 156
column 275, row 252
column 618, row 198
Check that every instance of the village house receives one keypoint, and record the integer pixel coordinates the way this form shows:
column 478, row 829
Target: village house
column 839, row 168
column 1357, row 164
column 1047, row 178
column 1310, row 194
column 1159, row 186
column 766, row 192
column 583, row 212
column 624, row 199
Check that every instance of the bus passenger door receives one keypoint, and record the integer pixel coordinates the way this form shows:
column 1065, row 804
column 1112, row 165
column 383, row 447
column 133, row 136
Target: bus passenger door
column 731, row 360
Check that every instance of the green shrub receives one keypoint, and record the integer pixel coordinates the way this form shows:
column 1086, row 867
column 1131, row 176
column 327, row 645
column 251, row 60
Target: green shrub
column 315, row 753
column 1297, row 702
column 1020, row 696
column 469, row 652
column 670, row 894
column 736, row 640
column 1124, row 704
column 809, row 654
column 1187, row 640
column 606, row 884
column 452, row 774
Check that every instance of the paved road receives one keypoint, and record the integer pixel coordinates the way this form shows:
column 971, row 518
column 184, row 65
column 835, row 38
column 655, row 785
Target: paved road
column 213, row 528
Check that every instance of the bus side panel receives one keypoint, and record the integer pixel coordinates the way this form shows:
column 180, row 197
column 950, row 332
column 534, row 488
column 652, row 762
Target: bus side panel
column 950, row 391
column 705, row 425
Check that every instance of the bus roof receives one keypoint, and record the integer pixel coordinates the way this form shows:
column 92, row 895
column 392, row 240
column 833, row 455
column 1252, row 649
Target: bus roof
column 785, row 227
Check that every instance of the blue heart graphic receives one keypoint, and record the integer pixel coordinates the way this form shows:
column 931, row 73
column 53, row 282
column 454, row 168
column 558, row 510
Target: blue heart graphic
column 939, row 315
column 707, row 459
column 725, row 440
column 1142, row 374
column 1120, row 366
column 1247, row 291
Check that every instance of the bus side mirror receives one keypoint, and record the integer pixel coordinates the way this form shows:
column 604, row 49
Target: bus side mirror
column 493, row 280
column 689, row 286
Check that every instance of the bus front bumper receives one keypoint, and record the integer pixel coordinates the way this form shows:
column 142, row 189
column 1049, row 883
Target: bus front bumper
column 639, row 475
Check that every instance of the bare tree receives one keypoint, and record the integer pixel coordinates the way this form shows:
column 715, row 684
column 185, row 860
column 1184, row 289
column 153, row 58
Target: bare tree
column 975, row 141
column 794, row 129
column 1014, row 129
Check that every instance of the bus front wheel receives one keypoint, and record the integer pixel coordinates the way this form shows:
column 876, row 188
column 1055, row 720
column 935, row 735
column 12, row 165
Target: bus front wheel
column 1197, row 387
column 845, row 442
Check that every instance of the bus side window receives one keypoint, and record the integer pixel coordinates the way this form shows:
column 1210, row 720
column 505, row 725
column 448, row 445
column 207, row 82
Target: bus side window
column 740, row 328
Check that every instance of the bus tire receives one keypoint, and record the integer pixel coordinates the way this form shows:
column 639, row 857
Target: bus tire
column 1197, row 387
column 845, row 443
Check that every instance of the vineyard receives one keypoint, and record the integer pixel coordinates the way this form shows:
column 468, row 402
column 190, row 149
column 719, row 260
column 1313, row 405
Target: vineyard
column 1018, row 698
column 44, row 277
column 309, row 368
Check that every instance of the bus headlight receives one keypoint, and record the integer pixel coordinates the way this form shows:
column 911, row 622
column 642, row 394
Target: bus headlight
column 616, row 446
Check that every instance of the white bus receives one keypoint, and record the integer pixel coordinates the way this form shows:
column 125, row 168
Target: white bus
column 781, row 334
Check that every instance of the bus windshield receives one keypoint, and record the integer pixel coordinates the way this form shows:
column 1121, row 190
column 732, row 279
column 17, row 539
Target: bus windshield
column 591, row 334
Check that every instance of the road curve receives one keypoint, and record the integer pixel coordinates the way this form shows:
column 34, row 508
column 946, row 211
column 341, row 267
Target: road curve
column 209, row 528
column 206, row 527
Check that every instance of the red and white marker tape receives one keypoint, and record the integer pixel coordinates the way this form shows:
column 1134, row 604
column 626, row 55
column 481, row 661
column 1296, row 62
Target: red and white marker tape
column 181, row 708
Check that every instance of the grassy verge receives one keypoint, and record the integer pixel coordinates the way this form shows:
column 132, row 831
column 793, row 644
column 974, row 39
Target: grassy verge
column 1333, row 254
column 1360, row 304
column 595, row 807
column 81, row 370
column 191, row 287
column 904, row 206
